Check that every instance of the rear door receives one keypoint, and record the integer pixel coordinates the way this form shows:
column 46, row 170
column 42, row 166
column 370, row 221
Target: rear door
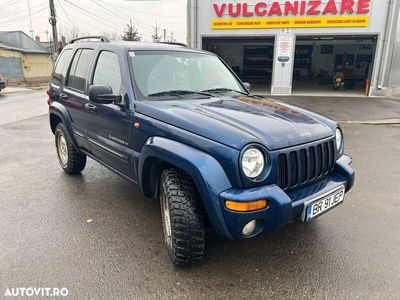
column 74, row 94
column 109, row 125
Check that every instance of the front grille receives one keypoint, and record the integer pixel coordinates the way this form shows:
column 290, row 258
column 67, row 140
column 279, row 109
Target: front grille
column 305, row 165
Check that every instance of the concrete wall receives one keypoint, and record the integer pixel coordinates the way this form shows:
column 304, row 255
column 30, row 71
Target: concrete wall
column 201, row 13
column 33, row 67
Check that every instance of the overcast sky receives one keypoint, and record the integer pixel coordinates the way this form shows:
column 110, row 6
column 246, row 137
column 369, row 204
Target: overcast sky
column 95, row 16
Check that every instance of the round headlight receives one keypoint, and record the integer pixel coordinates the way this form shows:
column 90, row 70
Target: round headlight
column 253, row 163
column 339, row 139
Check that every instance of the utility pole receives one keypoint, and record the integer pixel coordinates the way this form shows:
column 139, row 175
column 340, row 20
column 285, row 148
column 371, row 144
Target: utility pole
column 53, row 23
column 30, row 19
column 165, row 35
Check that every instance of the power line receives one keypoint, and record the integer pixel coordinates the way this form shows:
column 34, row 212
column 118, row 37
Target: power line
column 118, row 15
column 101, row 19
column 76, row 7
column 22, row 18
column 9, row 3
column 65, row 12
column 107, row 9
column 30, row 19
column 141, row 12
column 23, row 12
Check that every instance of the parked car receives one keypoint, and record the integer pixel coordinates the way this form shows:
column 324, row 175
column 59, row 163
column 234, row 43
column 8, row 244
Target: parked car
column 2, row 83
column 179, row 123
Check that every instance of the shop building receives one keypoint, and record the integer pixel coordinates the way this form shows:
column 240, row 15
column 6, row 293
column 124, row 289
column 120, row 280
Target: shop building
column 289, row 47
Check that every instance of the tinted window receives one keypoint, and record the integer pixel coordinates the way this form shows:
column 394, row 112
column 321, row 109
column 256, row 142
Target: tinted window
column 62, row 66
column 108, row 71
column 162, row 71
column 80, row 69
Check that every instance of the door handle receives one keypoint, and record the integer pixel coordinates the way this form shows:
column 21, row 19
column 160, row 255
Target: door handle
column 90, row 106
column 63, row 96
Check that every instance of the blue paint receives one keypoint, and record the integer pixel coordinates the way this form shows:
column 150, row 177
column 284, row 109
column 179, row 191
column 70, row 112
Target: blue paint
column 11, row 67
column 205, row 138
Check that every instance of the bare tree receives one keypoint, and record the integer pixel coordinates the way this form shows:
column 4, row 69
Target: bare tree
column 111, row 35
column 171, row 37
column 70, row 33
column 156, row 35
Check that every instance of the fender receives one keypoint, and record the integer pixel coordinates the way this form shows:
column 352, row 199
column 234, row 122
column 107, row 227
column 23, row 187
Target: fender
column 60, row 111
column 207, row 174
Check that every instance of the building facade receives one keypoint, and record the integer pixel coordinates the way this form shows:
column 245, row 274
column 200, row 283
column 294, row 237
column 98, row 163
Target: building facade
column 288, row 46
column 23, row 60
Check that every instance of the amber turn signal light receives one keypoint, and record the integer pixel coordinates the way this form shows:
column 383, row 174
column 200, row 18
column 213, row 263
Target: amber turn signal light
column 246, row 206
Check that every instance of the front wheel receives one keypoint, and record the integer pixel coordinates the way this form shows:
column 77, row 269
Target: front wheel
column 71, row 160
column 182, row 216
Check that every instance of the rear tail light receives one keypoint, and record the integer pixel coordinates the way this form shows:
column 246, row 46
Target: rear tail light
column 49, row 100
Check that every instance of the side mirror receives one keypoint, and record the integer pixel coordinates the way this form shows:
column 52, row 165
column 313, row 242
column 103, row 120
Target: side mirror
column 103, row 94
column 247, row 86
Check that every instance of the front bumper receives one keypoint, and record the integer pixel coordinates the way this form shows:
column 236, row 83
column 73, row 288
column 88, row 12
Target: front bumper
column 284, row 207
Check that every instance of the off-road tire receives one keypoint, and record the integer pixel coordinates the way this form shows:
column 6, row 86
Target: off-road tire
column 179, row 196
column 76, row 160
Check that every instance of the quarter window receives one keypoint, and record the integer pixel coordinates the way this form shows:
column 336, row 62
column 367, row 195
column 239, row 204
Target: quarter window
column 108, row 72
column 80, row 69
column 62, row 67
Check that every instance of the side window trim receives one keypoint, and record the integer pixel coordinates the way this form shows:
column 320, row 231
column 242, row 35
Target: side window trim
column 96, row 62
column 77, row 52
column 76, row 92
column 62, row 82
column 65, row 84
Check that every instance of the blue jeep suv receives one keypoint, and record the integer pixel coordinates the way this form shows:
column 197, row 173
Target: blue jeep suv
column 180, row 124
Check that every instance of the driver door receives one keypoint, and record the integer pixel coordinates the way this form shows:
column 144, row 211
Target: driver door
column 109, row 125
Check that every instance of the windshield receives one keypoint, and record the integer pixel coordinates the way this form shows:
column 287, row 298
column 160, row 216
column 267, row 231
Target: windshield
column 167, row 74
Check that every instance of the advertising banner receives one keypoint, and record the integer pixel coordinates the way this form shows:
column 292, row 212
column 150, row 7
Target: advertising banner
column 290, row 14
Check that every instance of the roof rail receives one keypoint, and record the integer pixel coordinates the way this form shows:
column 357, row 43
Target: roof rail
column 175, row 44
column 102, row 39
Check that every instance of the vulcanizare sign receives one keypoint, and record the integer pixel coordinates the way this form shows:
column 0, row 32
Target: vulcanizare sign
column 290, row 14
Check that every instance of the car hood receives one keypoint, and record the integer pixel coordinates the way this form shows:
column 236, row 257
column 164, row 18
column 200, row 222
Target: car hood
column 238, row 121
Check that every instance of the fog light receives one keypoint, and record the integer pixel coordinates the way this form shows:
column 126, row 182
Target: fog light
column 249, row 228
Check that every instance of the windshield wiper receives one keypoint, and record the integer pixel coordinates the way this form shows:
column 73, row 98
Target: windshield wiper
column 223, row 90
column 178, row 93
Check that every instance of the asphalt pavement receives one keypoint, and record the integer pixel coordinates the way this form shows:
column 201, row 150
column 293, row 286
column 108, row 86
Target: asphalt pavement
column 97, row 236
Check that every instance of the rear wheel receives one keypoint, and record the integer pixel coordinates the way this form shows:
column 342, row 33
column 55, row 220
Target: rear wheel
column 71, row 160
column 182, row 216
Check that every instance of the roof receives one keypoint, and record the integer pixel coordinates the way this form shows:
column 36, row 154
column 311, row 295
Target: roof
column 136, row 46
column 19, row 41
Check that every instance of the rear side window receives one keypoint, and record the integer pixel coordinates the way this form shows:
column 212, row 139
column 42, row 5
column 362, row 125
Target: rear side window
column 108, row 72
column 62, row 67
column 80, row 69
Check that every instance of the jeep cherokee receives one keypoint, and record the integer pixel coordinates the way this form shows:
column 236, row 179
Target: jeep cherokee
column 179, row 123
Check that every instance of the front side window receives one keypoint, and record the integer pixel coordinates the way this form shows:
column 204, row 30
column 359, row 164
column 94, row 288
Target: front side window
column 158, row 72
column 80, row 69
column 108, row 72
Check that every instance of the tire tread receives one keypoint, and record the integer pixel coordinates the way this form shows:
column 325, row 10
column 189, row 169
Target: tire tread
column 187, row 217
column 76, row 159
